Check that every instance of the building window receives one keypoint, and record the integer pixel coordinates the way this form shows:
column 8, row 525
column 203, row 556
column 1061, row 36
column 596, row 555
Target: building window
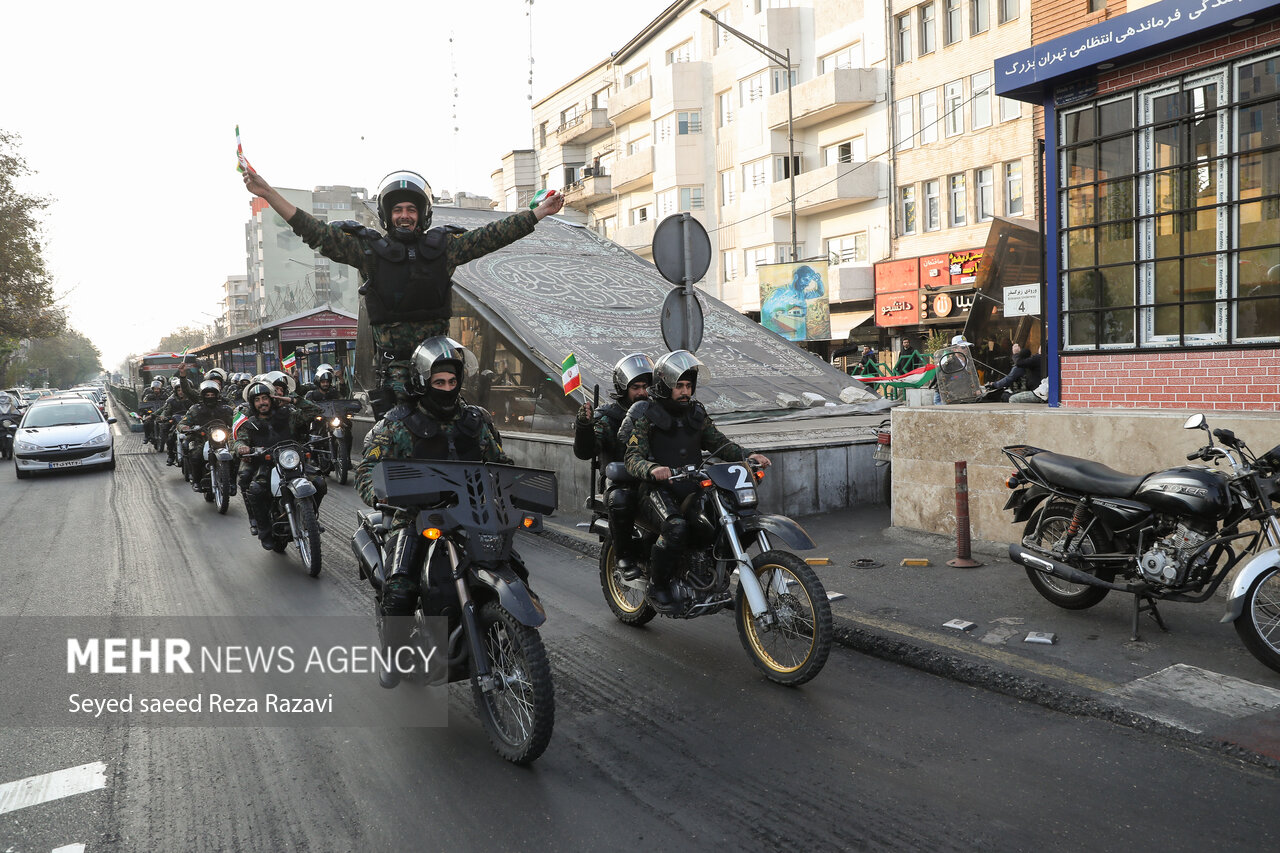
column 728, row 187
column 724, row 108
column 1008, row 10
column 691, row 198
column 689, row 122
column 958, row 201
column 953, row 103
column 902, row 38
column 754, row 175
column 635, row 146
column 980, row 87
column 979, row 17
column 932, row 206
column 1009, row 109
column 542, row 135
column 600, row 99
column 1171, row 217
column 721, row 34
column 681, row 53
column 902, row 125
column 751, row 89
column 757, row 257
column 954, row 29
column 639, row 215
column 1013, row 189
column 570, row 115
column 729, row 264
column 853, row 151
column 666, row 203
column 1097, row 6
column 848, row 57
column 928, row 29
column 907, row 209
column 780, row 171
column 928, row 116
column 639, row 75
column 851, row 249
column 986, row 187
column 779, row 78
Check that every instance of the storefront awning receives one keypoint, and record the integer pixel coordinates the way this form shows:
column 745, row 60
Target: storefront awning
column 844, row 322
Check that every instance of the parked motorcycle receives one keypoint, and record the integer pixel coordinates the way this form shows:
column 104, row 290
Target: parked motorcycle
column 293, row 508
column 781, row 608
column 1165, row 536
column 333, row 426
column 469, row 512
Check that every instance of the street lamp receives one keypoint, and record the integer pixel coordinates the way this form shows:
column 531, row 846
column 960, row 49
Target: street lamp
column 783, row 59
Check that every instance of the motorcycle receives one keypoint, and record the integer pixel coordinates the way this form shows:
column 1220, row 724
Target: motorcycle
column 1164, row 536
column 293, row 508
column 9, row 418
column 218, row 482
column 150, row 431
column 469, row 512
column 780, row 606
column 332, row 449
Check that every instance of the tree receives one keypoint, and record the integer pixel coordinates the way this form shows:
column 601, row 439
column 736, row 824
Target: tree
column 27, row 305
column 63, row 361
column 183, row 337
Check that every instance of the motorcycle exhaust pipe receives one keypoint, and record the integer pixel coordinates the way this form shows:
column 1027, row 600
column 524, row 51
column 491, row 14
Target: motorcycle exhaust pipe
column 368, row 556
column 1050, row 566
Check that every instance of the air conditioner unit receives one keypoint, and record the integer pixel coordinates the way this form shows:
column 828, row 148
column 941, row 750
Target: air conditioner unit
column 588, row 172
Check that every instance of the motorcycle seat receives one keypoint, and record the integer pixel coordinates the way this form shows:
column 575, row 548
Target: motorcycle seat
column 1081, row 475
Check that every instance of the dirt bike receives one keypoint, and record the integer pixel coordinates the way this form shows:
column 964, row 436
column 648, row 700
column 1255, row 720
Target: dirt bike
column 471, row 577
column 1164, row 536
column 293, row 507
column 781, row 608
column 333, row 427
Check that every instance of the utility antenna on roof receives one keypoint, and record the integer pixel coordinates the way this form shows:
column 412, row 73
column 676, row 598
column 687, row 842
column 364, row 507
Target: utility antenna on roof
column 528, row 12
column 453, row 68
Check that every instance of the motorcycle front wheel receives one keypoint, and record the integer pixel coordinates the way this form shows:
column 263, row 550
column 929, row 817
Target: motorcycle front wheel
column 520, row 713
column 1048, row 530
column 221, row 494
column 794, row 648
column 628, row 604
column 340, row 463
column 1259, row 624
column 309, row 541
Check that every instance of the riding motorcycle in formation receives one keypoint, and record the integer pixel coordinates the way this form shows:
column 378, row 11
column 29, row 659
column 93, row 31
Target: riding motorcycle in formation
column 470, row 577
column 9, row 418
column 150, row 429
column 217, row 481
column 293, row 507
column 333, row 428
column 1166, row 536
column 781, row 608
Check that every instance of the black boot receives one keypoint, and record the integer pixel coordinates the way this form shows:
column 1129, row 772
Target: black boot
column 626, row 553
column 661, row 565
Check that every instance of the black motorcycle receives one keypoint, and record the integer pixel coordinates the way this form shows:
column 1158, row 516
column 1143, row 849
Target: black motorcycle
column 8, row 429
column 470, row 576
column 333, row 427
column 293, row 506
column 1168, row 536
column 150, row 429
column 218, row 481
column 781, row 608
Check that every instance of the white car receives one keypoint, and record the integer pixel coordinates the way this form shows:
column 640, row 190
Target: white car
column 67, row 432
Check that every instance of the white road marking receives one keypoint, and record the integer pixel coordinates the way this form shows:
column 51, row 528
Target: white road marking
column 69, row 848
column 35, row 790
column 1195, row 699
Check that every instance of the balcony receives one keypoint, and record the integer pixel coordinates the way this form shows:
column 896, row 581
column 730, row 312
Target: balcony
column 634, row 172
column 637, row 238
column 590, row 190
column 834, row 94
column 587, row 127
column 631, row 103
column 829, row 188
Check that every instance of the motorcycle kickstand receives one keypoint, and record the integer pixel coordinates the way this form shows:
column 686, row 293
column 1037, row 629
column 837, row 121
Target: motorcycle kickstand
column 1149, row 606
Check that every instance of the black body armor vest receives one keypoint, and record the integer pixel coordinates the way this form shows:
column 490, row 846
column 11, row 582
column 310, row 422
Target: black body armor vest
column 612, row 415
column 676, row 440
column 432, row 441
column 411, row 280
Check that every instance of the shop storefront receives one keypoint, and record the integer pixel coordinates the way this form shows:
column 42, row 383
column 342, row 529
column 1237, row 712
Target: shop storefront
column 319, row 335
column 1163, row 182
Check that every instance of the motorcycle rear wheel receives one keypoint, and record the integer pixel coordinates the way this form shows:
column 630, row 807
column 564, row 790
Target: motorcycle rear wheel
column 309, row 543
column 1259, row 624
column 520, row 714
column 1046, row 530
column 795, row 648
column 629, row 605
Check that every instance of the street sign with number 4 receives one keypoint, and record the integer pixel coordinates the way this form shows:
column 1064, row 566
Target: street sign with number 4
column 1022, row 300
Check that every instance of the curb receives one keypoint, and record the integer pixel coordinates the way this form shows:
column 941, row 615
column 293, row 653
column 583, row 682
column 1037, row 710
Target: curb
column 956, row 667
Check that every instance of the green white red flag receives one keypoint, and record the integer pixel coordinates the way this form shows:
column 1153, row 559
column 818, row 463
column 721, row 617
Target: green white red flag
column 570, row 378
column 917, row 378
column 290, row 361
column 242, row 163
column 241, row 417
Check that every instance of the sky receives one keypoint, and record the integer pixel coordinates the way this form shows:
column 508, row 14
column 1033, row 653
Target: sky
column 127, row 114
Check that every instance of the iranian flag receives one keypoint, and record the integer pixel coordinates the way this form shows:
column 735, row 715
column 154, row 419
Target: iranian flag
column 241, row 417
column 917, row 378
column 242, row 163
column 290, row 361
column 570, row 378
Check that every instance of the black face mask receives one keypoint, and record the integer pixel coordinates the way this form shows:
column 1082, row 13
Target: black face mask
column 442, row 403
column 674, row 407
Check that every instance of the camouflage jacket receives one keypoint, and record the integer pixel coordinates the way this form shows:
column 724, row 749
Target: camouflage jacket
column 175, row 405
column 199, row 414
column 255, row 432
column 639, row 457
column 391, row 439
column 337, row 245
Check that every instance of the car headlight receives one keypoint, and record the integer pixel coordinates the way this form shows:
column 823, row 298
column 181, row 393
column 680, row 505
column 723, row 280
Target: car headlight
column 336, row 422
column 290, row 459
column 219, row 435
column 27, row 446
column 99, row 440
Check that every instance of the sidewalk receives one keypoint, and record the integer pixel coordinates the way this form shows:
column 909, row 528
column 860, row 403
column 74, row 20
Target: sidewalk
column 1196, row 684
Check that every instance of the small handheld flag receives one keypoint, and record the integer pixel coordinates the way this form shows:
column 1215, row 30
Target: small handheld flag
column 242, row 163
column 290, row 361
column 241, row 417
column 570, row 378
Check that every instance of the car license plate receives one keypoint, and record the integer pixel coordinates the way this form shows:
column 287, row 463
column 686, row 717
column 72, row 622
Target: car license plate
column 70, row 463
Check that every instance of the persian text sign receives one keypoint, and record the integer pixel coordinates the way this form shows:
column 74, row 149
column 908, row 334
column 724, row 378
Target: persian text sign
column 1022, row 300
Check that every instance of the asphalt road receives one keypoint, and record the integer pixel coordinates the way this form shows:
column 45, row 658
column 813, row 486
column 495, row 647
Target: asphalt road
column 664, row 736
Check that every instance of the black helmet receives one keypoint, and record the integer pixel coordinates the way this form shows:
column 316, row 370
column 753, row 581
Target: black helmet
column 401, row 186
column 670, row 368
column 440, row 353
column 210, row 386
column 631, row 368
column 256, row 389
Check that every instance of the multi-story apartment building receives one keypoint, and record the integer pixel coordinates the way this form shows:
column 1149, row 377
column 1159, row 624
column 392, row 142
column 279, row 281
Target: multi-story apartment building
column 962, row 155
column 237, row 317
column 688, row 117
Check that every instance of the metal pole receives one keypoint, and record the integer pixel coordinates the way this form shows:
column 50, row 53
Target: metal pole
column 791, row 161
column 964, row 559
column 687, row 280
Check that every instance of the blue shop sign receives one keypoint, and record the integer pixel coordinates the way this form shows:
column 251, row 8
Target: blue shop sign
column 1024, row 74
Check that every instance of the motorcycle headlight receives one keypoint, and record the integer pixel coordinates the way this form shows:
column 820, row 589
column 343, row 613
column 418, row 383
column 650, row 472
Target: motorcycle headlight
column 7, row 424
column 289, row 459
column 746, row 497
column 336, row 422
column 219, row 435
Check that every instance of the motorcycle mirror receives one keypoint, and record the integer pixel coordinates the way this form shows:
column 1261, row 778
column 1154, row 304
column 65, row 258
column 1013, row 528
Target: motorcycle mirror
column 1196, row 421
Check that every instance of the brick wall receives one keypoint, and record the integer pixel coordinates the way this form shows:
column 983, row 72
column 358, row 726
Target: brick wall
column 1053, row 18
column 1215, row 380
column 1203, row 55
